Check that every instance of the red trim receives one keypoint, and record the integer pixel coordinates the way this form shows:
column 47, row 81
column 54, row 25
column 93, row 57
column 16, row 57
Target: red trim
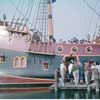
column 24, row 89
column 23, row 80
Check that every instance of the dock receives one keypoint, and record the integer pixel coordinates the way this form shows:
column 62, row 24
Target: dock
column 71, row 86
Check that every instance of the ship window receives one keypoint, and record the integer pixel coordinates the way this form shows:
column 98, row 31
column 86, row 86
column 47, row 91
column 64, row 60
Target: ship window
column 23, row 62
column 45, row 66
column 89, row 49
column 74, row 49
column 2, row 59
column 16, row 62
column 19, row 62
column 60, row 49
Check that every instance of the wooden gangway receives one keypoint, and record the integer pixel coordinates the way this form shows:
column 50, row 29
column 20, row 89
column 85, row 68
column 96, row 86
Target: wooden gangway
column 71, row 86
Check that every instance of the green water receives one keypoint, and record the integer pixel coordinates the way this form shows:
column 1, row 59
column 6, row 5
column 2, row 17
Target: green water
column 51, row 95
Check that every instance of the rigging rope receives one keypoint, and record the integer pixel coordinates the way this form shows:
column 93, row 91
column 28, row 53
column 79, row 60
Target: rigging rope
column 94, row 35
column 14, row 12
column 92, row 15
column 14, row 16
column 97, row 13
column 27, row 10
column 20, row 10
column 37, row 14
column 17, row 8
column 18, row 18
column 41, row 19
column 34, row 13
column 29, row 14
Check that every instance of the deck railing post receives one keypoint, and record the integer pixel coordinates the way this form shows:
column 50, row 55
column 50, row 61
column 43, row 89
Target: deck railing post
column 88, row 88
column 56, row 80
column 96, row 80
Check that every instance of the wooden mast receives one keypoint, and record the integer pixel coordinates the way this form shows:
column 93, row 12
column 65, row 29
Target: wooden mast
column 50, row 24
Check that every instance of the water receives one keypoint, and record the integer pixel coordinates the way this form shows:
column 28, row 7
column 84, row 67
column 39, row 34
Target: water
column 51, row 95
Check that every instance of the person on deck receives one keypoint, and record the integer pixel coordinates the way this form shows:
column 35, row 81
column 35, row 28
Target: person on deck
column 70, row 67
column 95, row 75
column 86, row 69
column 93, row 67
column 62, row 72
column 75, row 71
column 81, row 71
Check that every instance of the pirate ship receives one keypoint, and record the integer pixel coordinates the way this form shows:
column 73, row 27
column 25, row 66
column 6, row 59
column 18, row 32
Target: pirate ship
column 29, row 49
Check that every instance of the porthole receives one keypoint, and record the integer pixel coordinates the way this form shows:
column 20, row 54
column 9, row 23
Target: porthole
column 89, row 49
column 59, row 49
column 74, row 49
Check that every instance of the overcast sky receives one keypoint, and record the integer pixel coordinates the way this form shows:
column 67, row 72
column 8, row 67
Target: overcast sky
column 71, row 17
column 74, row 18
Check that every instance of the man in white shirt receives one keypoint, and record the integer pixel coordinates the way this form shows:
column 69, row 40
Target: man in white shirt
column 62, row 72
column 70, row 67
column 93, row 67
column 86, row 71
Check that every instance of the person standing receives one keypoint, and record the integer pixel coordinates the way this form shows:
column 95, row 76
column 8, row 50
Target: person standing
column 62, row 72
column 75, row 71
column 81, row 71
column 93, row 67
column 86, row 69
column 95, row 75
column 70, row 67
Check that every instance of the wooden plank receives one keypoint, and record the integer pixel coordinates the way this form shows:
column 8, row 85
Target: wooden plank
column 74, row 87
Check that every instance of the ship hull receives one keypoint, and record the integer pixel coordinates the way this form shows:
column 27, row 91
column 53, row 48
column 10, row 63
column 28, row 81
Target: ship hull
column 34, row 65
column 9, row 83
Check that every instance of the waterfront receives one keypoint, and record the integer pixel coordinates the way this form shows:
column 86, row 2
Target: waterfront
column 51, row 95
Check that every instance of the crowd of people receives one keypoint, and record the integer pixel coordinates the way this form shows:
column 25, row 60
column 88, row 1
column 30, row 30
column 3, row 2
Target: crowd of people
column 78, row 72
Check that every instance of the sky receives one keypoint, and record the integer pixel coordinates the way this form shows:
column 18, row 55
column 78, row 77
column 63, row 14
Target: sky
column 71, row 18
column 74, row 18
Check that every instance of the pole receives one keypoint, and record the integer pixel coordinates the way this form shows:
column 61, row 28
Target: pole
column 56, row 80
column 96, row 80
column 50, row 24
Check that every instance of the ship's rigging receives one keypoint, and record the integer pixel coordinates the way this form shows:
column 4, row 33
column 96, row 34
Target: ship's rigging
column 30, row 20
column 96, row 35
